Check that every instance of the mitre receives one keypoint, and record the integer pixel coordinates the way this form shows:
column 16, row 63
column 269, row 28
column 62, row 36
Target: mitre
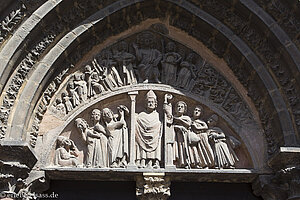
column 151, row 94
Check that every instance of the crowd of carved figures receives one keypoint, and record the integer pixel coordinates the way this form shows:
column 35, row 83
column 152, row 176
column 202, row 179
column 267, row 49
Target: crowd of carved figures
column 144, row 61
column 190, row 142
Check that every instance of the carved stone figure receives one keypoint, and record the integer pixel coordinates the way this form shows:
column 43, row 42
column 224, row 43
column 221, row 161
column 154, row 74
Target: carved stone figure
column 66, row 153
column 148, row 135
column 92, row 80
column 100, row 144
column 126, row 61
column 73, row 93
column 116, row 129
column 93, row 155
column 186, row 76
column 81, row 86
column 169, row 64
column 67, row 102
column 148, row 58
column 225, row 157
column 203, row 151
column 181, row 124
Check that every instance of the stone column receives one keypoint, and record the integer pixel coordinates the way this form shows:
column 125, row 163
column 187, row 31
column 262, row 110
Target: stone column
column 131, row 163
column 153, row 186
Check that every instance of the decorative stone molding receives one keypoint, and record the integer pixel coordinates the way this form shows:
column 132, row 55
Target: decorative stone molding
column 10, row 22
column 153, row 186
column 19, row 77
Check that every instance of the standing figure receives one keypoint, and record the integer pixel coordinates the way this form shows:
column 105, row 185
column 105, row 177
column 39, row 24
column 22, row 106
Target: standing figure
column 92, row 80
column 181, row 124
column 148, row 57
column 126, row 61
column 93, row 156
column 100, row 130
column 116, row 129
column 88, row 72
column 148, row 135
column 73, row 94
column 169, row 64
column 67, row 102
column 203, row 151
column 186, row 76
column 224, row 157
column 81, row 86
column 66, row 153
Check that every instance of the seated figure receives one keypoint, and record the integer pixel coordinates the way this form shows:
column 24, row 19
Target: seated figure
column 66, row 153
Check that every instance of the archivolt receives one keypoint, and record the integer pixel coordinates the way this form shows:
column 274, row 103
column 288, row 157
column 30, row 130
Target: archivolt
column 43, row 73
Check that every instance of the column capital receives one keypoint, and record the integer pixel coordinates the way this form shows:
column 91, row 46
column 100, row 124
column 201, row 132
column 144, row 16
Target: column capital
column 153, row 186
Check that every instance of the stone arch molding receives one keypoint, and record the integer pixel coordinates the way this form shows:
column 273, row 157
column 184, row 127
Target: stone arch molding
column 148, row 60
column 18, row 128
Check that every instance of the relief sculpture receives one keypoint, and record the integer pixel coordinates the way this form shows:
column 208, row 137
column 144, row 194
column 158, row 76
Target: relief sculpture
column 66, row 153
column 107, row 138
column 195, row 143
column 148, row 58
column 225, row 157
column 203, row 152
column 176, row 128
column 188, row 141
column 117, row 132
column 148, row 135
column 94, row 153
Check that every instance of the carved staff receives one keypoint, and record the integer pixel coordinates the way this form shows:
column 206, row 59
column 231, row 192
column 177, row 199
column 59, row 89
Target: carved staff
column 168, row 132
column 131, row 163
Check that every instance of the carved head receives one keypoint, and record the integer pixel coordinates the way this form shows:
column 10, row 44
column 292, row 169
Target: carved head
column 197, row 112
column 213, row 120
column 81, row 124
column 146, row 39
column 171, row 47
column 63, row 142
column 71, row 85
column 107, row 114
column 151, row 100
column 96, row 115
column 181, row 108
column 63, row 95
column 77, row 77
column 87, row 68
